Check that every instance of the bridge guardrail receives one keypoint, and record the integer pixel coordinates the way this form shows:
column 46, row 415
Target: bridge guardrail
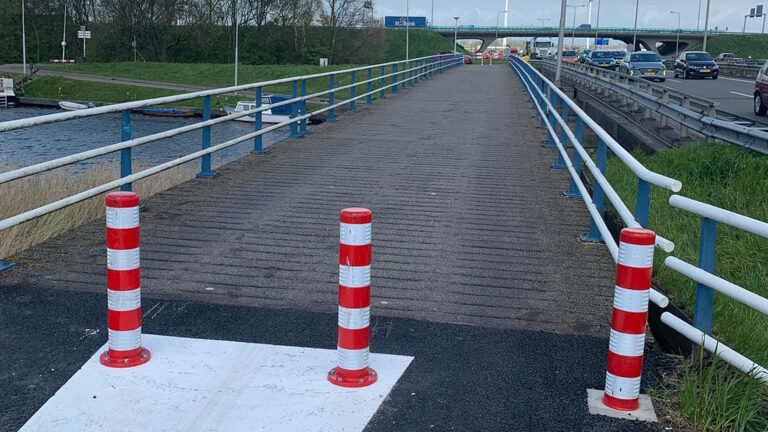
column 671, row 31
column 689, row 112
column 537, row 87
column 545, row 97
column 402, row 74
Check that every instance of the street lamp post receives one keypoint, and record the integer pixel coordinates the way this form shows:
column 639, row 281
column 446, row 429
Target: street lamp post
column 589, row 20
column 706, row 27
column 597, row 22
column 497, row 23
column 634, row 35
column 407, row 27
column 573, row 30
column 456, row 35
column 506, row 20
column 23, row 41
column 698, row 17
column 560, row 41
column 677, row 41
column 432, row 17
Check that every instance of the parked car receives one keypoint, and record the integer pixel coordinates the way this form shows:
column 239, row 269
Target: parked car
column 644, row 64
column 467, row 59
column 584, row 55
column 760, row 105
column 570, row 56
column 601, row 59
column 619, row 56
column 727, row 58
column 694, row 64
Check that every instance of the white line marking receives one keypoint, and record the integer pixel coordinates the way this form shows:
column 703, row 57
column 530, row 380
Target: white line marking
column 741, row 94
column 673, row 80
column 737, row 79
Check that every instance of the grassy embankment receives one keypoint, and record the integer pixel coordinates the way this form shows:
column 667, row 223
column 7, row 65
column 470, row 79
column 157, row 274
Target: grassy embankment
column 715, row 398
column 744, row 46
column 422, row 43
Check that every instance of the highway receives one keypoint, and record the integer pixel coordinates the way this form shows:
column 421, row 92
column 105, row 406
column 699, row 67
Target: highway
column 734, row 95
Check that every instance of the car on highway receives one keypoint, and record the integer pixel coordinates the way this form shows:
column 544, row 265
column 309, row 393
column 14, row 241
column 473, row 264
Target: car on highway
column 761, row 91
column 601, row 59
column 694, row 64
column 643, row 64
column 584, row 54
column 727, row 58
column 619, row 56
column 570, row 56
column 467, row 59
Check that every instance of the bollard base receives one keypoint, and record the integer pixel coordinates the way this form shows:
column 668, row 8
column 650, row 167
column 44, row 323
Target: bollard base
column 140, row 359
column 644, row 413
column 369, row 378
column 207, row 174
column 588, row 238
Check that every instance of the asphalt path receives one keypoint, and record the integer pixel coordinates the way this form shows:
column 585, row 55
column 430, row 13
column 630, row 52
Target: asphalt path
column 734, row 95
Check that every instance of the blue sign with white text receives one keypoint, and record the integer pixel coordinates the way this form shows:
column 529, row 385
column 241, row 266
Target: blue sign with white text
column 403, row 22
column 601, row 41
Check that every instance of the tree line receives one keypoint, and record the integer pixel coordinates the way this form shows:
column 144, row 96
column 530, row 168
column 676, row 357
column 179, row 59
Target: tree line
column 270, row 31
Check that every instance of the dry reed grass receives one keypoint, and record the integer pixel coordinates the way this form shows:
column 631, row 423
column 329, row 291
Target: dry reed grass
column 31, row 192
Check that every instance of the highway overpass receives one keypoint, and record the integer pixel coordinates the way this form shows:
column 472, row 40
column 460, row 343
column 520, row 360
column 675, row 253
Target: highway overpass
column 656, row 39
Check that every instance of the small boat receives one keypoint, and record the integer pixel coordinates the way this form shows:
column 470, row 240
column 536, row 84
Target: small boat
column 8, row 98
column 73, row 106
column 272, row 115
column 166, row 112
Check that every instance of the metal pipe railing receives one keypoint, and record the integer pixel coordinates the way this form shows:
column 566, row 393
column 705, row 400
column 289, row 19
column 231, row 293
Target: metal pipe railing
column 437, row 64
column 655, row 296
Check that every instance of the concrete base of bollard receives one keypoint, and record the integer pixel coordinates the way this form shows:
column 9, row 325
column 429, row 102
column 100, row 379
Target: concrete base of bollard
column 644, row 413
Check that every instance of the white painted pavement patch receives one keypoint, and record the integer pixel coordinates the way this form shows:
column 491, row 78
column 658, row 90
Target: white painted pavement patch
column 741, row 94
column 644, row 413
column 208, row 385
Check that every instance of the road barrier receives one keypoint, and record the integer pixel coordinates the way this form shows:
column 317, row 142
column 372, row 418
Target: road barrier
column 123, row 282
column 545, row 97
column 352, row 368
column 628, row 319
column 690, row 113
column 411, row 69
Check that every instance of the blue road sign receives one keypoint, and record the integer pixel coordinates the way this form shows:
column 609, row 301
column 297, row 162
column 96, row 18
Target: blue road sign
column 601, row 41
column 402, row 22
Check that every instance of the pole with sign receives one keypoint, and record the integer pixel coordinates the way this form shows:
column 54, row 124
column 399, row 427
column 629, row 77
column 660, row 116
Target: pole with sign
column 83, row 34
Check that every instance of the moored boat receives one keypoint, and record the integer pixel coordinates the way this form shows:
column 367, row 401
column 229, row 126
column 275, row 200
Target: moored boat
column 272, row 115
column 74, row 106
column 166, row 112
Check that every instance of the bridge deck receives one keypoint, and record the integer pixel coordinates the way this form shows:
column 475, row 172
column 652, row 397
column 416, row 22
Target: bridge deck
column 470, row 226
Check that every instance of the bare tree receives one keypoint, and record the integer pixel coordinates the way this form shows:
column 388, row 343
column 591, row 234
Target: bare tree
column 338, row 14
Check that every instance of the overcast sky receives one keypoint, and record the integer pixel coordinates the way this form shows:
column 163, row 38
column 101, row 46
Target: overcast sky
column 613, row 13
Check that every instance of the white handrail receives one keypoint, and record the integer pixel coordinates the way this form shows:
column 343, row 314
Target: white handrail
column 636, row 167
column 716, row 347
column 708, row 211
column 52, row 118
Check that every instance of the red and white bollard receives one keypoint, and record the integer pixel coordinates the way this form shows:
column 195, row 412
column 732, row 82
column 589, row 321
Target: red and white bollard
column 354, row 300
column 630, row 314
column 123, row 282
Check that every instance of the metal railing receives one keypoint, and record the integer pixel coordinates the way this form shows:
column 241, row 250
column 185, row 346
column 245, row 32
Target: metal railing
column 689, row 112
column 628, row 30
column 707, row 282
column 401, row 74
column 544, row 98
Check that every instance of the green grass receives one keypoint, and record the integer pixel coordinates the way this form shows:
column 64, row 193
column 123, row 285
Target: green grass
column 745, row 46
column 731, row 178
column 421, row 43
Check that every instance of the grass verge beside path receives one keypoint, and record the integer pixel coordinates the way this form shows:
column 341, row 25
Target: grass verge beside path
column 734, row 179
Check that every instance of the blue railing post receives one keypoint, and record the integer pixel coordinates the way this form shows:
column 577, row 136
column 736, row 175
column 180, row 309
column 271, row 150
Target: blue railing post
column 294, row 114
column 382, row 83
column 423, row 70
column 702, row 316
column 205, row 161
column 352, row 105
column 331, row 97
column 125, row 154
column 369, row 99
column 573, row 191
column 394, row 78
column 560, row 164
column 598, row 196
column 258, row 146
column 643, row 202
column 551, row 117
column 303, row 124
column 404, row 75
